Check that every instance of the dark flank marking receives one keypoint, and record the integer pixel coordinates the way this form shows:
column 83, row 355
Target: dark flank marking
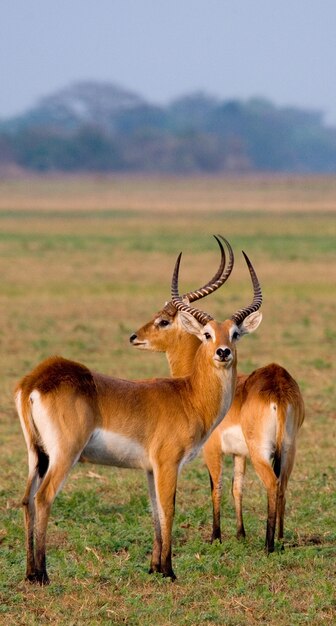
column 277, row 463
column 43, row 462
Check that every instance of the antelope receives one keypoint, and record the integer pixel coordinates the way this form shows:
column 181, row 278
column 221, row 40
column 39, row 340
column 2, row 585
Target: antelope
column 70, row 413
column 262, row 423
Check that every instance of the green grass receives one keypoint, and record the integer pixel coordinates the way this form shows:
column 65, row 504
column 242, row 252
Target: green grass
column 78, row 283
column 165, row 239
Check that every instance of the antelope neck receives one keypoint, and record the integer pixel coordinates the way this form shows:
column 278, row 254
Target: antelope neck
column 212, row 391
column 181, row 356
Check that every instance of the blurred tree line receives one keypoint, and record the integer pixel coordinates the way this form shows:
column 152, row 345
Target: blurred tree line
column 103, row 128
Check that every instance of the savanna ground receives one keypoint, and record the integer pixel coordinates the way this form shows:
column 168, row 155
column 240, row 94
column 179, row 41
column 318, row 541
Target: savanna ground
column 84, row 263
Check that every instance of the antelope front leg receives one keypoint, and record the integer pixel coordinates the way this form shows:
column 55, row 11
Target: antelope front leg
column 239, row 467
column 213, row 457
column 155, row 565
column 165, row 488
column 216, row 495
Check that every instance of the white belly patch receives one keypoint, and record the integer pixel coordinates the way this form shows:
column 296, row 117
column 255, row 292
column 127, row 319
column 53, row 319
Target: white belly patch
column 233, row 441
column 108, row 448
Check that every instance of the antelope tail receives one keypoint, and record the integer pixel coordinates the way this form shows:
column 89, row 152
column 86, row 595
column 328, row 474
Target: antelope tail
column 281, row 421
column 30, row 432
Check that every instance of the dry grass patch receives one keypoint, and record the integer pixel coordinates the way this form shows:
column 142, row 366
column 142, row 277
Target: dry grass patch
column 84, row 263
column 171, row 194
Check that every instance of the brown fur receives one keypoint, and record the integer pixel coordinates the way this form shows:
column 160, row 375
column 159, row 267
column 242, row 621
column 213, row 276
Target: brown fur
column 155, row 424
column 249, row 410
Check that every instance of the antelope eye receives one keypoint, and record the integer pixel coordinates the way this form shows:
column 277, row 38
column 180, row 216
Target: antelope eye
column 235, row 335
column 163, row 323
column 207, row 336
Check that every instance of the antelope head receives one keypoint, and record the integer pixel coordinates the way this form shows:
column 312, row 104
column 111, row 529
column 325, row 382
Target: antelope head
column 164, row 332
column 219, row 338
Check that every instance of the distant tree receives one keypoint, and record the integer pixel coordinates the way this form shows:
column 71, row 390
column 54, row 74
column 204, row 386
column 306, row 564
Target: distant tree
column 6, row 149
column 38, row 150
column 140, row 119
column 191, row 112
column 196, row 152
column 316, row 150
column 148, row 150
column 90, row 150
column 269, row 142
column 101, row 127
column 85, row 150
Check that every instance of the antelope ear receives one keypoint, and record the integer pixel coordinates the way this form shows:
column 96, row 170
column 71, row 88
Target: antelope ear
column 250, row 323
column 189, row 323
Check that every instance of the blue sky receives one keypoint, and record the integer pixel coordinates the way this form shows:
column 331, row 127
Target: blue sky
column 284, row 50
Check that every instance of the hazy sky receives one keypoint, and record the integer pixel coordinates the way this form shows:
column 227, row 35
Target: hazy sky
column 284, row 50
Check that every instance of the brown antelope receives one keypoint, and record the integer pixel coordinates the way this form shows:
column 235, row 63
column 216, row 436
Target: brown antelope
column 69, row 413
column 262, row 422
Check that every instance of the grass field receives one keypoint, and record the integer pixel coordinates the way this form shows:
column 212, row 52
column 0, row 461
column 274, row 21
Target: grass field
column 84, row 263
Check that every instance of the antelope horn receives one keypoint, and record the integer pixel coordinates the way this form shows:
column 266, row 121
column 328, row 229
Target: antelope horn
column 177, row 301
column 219, row 278
column 241, row 314
column 216, row 281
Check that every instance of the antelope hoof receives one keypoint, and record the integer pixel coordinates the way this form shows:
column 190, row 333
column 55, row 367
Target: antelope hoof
column 39, row 578
column 31, row 577
column 216, row 536
column 241, row 534
column 169, row 575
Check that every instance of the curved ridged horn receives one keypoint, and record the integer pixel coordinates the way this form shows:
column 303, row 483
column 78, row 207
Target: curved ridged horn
column 216, row 281
column 177, row 301
column 219, row 278
column 241, row 314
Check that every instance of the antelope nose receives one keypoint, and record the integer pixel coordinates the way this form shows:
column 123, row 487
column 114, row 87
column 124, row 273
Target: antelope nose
column 132, row 337
column 223, row 354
